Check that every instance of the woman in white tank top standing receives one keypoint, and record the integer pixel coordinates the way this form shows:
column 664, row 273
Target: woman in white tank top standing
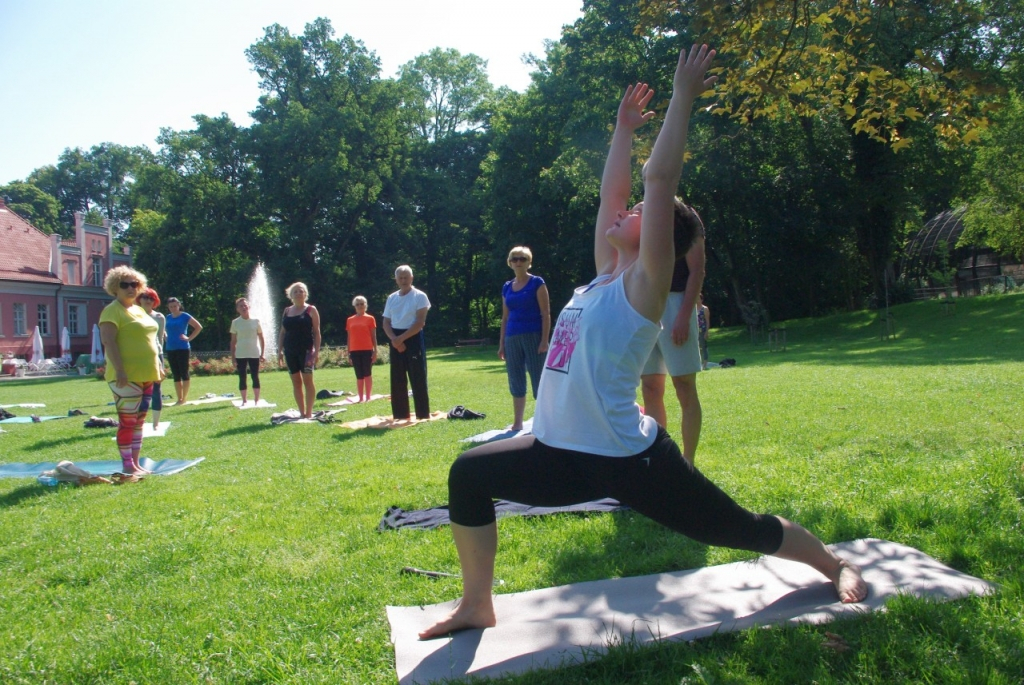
column 590, row 439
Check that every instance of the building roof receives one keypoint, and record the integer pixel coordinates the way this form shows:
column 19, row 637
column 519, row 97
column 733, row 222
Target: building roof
column 24, row 250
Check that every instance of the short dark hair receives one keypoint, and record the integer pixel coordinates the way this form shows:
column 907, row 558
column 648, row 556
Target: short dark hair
column 687, row 227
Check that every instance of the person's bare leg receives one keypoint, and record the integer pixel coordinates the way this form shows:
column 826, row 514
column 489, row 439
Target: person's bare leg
column 518, row 409
column 477, row 546
column 652, row 387
column 799, row 544
column 307, row 381
column 369, row 387
column 256, row 395
column 184, row 391
column 686, row 392
column 245, row 395
column 177, row 391
column 297, row 392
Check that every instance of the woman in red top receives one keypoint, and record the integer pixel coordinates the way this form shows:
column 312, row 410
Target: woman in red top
column 362, row 346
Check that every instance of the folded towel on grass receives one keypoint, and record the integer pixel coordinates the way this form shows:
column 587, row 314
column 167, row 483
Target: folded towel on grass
column 564, row 625
column 209, row 398
column 164, row 467
column 295, row 416
column 390, row 422
column 426, row 519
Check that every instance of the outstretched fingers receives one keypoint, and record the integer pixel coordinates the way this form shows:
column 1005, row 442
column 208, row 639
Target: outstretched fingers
column 634, row 102
column 691, row 70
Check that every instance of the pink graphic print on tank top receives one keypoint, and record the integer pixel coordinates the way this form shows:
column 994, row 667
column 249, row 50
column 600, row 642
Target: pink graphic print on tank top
column 563, row 342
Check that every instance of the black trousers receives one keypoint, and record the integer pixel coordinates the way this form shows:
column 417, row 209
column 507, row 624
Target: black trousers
column 657, row 483
column 412, row 364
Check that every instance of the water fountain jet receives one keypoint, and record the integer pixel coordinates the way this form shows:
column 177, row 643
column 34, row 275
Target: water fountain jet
column 261, row 306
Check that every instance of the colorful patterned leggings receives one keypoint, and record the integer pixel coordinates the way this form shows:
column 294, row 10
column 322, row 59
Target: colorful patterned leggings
column 132, row 402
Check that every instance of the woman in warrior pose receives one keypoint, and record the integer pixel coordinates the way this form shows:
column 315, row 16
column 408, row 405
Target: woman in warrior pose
column 590, row 439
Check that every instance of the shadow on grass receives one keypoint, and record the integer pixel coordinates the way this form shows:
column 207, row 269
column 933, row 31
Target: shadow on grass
column 19, row 495
column 59, row 442
column 245, row 430
column 349, row 434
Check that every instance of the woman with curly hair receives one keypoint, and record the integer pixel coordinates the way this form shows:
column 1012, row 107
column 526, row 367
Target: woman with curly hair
column 129, row 338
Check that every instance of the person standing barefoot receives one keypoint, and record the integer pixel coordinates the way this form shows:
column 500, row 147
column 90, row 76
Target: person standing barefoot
column 590, row 439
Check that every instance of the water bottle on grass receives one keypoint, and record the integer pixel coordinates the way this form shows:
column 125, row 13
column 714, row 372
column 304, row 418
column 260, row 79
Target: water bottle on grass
column 48, row 480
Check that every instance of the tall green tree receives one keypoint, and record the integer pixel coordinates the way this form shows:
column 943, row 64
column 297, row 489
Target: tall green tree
column 329, row 143
column 198, row 230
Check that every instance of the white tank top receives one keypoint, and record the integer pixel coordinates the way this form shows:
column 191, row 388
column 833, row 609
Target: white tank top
column 587, row 396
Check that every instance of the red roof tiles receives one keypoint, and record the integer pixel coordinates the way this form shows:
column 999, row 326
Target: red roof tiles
column 24, row 250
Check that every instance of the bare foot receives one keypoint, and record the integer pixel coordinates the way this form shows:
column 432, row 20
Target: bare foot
column 463, row 618
column 849, row 584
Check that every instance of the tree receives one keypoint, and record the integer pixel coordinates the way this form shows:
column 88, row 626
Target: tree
column 995, row 215
column 328, row 144
column 895, row 71
column 32, row 204
column 445, row 92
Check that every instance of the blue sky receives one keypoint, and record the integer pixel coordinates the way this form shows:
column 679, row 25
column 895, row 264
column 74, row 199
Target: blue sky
column 75, row 73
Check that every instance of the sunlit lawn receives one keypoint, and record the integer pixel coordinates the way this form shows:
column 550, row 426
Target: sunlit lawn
column 263, row 564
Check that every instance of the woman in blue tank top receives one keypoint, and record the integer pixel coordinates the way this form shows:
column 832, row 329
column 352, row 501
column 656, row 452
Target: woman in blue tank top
column 590, row 439
column 525, row 328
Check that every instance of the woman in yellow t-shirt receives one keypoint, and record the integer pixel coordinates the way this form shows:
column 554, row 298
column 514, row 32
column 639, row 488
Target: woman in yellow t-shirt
column 129, row 342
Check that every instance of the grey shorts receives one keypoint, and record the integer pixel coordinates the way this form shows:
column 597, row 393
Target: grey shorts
column 667, row 357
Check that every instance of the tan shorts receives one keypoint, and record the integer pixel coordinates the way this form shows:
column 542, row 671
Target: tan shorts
column 667, row 357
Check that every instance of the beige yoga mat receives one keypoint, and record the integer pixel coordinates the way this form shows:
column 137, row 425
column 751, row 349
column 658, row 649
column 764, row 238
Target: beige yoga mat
column 262, row 404
column 556, row 626
column 388, row 422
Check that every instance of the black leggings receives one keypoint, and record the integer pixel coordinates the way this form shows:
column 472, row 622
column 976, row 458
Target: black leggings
column 362, row 362
column 657, row 483
column 178, row 361
column 254, row 369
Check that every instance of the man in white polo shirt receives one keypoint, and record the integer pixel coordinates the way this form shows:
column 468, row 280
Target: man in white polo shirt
column 404, row 316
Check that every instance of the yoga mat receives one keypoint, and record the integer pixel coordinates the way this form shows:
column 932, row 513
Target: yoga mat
column 383, row 422
column 148, row 432
column 353, row 400
column 262, row 404
column 428, row 519
column 500, row 434
column 164, row 467
column 557, row 626
column 210, row 400
column 28, row 419
column 27, row 406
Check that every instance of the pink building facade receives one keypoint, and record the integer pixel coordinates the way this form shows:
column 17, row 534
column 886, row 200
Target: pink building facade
column 51, row 282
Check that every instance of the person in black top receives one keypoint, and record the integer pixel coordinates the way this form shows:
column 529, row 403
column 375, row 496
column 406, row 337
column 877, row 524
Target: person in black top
column 299, row 345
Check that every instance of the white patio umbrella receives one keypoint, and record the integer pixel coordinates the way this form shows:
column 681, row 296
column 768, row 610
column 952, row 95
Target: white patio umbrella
column 65, row 344
column 38, row 355
column 97, row 345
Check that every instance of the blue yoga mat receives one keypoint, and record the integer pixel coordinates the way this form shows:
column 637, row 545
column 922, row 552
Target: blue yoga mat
column 164, row 467
column 28, row 419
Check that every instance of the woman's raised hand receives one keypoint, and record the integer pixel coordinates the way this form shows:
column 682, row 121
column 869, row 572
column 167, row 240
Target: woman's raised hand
column 631, row 109
column 690, row 78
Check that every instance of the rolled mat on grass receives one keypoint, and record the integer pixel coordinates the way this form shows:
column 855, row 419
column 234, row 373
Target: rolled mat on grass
column 500, row 434
column 164, row 467
column 427, row 519
column 32, row 419
column 564, row 625
column 383, row 422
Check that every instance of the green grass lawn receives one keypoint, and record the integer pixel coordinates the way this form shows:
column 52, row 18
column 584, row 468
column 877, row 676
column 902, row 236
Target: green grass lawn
column 263, row 564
